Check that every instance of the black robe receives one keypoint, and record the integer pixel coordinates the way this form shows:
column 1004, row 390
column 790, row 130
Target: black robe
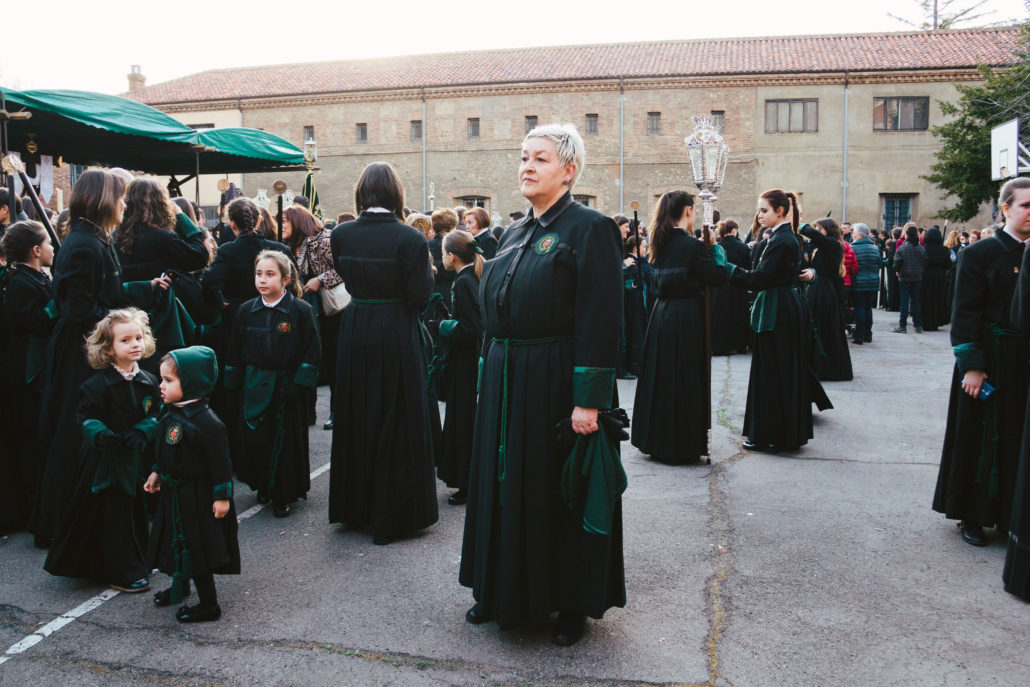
column 669, row 421
column 191, row 453
column 382, row 473
column 87, row 284
column 731, row 329
column 893, row 287
column 464, row 343
column 29, row 323
column 635, row 317
column 442, row 278
column 552, row 308
column 103, row 535
column 936, row 283
column 1016, row 573
column 825, row 299
column 155, row 251
column 273, row 359
column 977, row 477
column 488, row 243
column 783, row 385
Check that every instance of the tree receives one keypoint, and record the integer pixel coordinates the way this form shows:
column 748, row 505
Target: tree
column 963, row 165
column 945, row 14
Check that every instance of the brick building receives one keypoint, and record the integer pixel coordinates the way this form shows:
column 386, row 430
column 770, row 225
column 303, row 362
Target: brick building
column 844, row 120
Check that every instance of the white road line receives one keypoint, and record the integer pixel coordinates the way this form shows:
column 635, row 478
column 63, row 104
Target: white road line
column 85, row 607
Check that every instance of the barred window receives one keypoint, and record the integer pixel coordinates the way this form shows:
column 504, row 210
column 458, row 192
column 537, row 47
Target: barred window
column 654, row 123
column 473, row 127
column 362, row 132
column 416, row 130
column 530, row 123
column 591, row 127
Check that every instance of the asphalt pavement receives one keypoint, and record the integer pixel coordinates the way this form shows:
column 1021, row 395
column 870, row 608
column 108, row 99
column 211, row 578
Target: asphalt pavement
column 821, row 567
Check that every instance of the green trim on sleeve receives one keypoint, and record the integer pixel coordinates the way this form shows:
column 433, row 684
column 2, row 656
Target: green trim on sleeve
column 593, row 387
column 52, row 310
column 307, row 375
column 185, row 227
column 90, row 429
column 969, row 356
column 222, row 492
column 479, row 375
column 718, row 254
column 233, row 377
column 447, row 328
column 148, row 426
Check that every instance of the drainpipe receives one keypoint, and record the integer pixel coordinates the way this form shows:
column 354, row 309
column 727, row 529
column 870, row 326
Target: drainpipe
column 422, row 93
column 622, row 139
column 844, row 180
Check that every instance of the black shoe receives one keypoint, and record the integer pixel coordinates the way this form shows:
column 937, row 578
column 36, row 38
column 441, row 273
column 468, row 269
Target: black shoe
column 569, row 628
column 281, row 510
column 869, row 339
column 140, row 585
column 477, row 615
column 198, row 614
column 857, row 342
column 328, row 423
column 899, row 330
column 263, row 498
column 458, row 498
column 919, row 330
column 381, row 540
column 972, row 533
column 761, row 448
column 164, row 597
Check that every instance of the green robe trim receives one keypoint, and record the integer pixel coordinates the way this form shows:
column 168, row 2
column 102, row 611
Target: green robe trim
column 593, row 387
column 52, row 310
column 763, row 312
column 307, row 375
column 222, row 492
column 258, row 389
column 969, row 356
column 184, row 227
column 718, row 254
column 119, row 465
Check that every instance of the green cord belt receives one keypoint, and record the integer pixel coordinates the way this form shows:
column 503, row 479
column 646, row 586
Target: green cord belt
column 376, row 301
column 994, row 476
column 502, row 449
column 282, row 379
column 180, row 551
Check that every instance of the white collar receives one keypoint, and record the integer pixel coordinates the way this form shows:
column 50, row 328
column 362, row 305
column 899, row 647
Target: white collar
column 272, row 304
column 180, row 404
column 1016, row 236
column 127, row 376
column 378, row 209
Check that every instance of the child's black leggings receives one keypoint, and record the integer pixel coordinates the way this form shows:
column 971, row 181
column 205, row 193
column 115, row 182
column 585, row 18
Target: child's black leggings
column 205, row 584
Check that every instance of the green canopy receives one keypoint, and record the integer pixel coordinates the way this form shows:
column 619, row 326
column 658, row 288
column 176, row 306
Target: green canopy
column 93, row 128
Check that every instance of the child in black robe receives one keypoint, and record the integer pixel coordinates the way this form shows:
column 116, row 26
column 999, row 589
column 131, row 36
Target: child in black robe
column 103, row 533
column 461, row 340
column 274, row 353
column 28, row 250
column 194, row 532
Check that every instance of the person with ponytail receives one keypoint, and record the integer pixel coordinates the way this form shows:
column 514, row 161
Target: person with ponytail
column 27, row 249
column 460, row 341
column 824, row 296
column 273, row 357
column 783, row 384
column 669, row 422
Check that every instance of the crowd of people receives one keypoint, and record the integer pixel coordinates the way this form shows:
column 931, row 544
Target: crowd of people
column 153, row 359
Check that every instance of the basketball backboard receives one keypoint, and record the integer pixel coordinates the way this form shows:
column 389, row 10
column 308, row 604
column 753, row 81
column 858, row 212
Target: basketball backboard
column 1005, row 150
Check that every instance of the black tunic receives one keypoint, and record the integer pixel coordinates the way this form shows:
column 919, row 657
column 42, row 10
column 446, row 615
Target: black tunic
column 936, row 283
column 382, row 473
column 893, row 287
column 554, row 294
column 977, row 477
column 635, row 315
column 28, row 293
column 782, row 386
column 488, row 243
column 155, row 251
column 273, row 357
column 443, row 279
column 825, row 296
column 731, row 331
column 465, row 342
column 191, row 447
column 104, row 533
column 669, row 421
column 87, row 284
column 1016, row 573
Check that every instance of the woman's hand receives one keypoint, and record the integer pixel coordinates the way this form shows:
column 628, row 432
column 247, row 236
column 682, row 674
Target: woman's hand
column 312, row 285
column 584, row 420
column 153, row 484
column 807, row 275
column 628, row 262
column 973, row 381
column 161, row 282
column 220, row 508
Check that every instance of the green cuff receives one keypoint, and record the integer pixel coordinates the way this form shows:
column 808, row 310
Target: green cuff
column 718, row 254
column 969, row 356
column 593, row 387
column 90, row 430
column 233, row 377
column 148, row 426
column 222, row 492
column 51, row 310
column 447, row 328
column 184, row 227
column 139, row 294
column 307, row 375
column 730, row 269
column 479, row 375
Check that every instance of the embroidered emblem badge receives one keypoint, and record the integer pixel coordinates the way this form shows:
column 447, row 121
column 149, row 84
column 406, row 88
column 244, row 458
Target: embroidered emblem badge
column 174, row 435
column 546, row 244
column 283, row 327
column 148, row 403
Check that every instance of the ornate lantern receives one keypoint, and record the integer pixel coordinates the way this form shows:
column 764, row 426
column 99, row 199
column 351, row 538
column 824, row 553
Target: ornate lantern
column 709, row 156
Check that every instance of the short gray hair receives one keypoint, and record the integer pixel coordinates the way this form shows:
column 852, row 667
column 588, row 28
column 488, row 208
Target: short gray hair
column 860, row 229
column 567, row 143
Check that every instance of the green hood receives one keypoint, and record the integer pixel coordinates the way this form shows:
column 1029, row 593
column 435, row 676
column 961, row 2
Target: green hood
column 198, row 371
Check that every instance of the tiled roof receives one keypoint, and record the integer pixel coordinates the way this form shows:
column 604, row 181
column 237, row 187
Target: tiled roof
column 791, row 54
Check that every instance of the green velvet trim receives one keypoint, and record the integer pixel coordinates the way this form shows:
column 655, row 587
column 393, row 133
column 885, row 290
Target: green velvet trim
column 718, row 254
column 139, row 294
column 479, row 375
column 184, row 227
column 763, row 312
column 233, row 377
column 447, row 328
column 593, row 387
column 969, row 356
column 730, row 269
column 90, row 430
column 51, row 310
column 148, row 426
column 222, row 492
column 307, row 375
column 257, row 393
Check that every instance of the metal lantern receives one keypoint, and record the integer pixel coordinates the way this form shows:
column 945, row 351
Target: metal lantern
column 709, row 156
column 310, row 153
